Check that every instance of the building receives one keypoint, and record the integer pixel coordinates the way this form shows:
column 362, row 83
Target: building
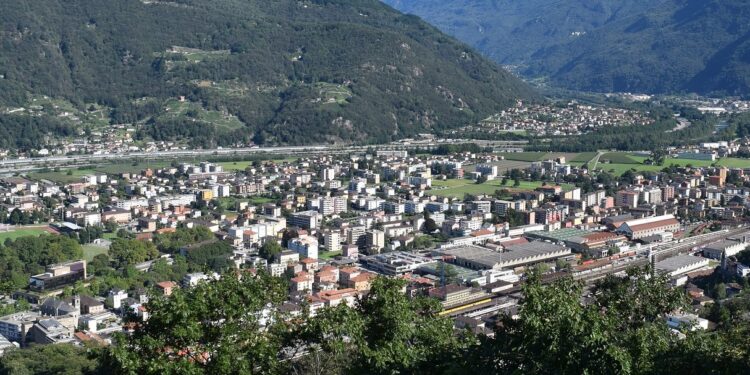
column 477, row 257
column 50, row 331
column 357, row 236
column 690, row 322
column 14, row 327
column 395, row 263
column 305, row 219
column 681, row 264
column 305, row 246
column 375, row 239
column 487, row 170
column 626, row 198
column 166, row 287
column 640, row 228
column 332, row 241
column 726, row 248
column 59, row 275
column 455, row 295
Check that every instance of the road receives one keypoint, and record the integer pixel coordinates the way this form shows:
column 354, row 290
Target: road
column 26, row 164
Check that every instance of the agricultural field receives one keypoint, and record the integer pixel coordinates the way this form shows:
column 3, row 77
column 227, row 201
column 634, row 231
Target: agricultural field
column 94, row 115
column 331, row 93
column 177, row 109
column 183, row 56
column 583, row 157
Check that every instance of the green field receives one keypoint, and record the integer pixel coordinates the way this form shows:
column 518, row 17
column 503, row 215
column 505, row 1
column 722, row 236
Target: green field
column 457, row 188
column 178, row 109
column 583, row 157
column 328, row 254
column 623, row 162
column 65, row 176
column 21, row 232
column 523, row 156
column 90, row 251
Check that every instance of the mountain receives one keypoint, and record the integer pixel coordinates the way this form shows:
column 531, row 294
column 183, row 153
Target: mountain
column 281, row 71
column 661, row 46
column 512, row 31
column 680, row 46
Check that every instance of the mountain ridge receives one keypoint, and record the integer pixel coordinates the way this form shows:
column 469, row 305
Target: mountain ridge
column 280, row 72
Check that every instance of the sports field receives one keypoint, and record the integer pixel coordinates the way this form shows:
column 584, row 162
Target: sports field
column 457, row 188
column 15, row 232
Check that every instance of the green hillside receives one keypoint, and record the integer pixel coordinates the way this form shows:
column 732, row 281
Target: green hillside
column 280, row 71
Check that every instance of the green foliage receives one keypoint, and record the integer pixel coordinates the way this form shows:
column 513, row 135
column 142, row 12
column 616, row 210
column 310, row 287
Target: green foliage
column 212, row 328
column 63, row 359
column 26, row 256
column 216, row 328
column 212, row 255
column 171, row 243
column 269, row 66
column 270, row 250
column 131, row 252
column 386, row 333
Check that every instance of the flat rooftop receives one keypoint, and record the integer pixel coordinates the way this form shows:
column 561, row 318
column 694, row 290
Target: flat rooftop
column 679, row 262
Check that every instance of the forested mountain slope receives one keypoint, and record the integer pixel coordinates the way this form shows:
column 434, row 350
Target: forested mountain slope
column 279, row 71
column 511, row 31
column 661, row 46
column 681, row 46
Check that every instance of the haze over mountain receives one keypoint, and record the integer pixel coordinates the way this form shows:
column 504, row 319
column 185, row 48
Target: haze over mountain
column 511, row 31
column 661, row 46
column 681, row 46
column 277, row 71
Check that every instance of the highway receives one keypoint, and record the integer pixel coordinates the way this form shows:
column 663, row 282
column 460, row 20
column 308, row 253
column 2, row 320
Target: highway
column 26, row 164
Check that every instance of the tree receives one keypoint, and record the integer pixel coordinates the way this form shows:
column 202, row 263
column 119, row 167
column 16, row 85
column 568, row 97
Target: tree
column 270, row 250
column 131, row 252
column 429, row 224
column 111, row 226
column 213, row 328
column 63, row 359
column 387, row 333
column 423, row 242
column 447, row 273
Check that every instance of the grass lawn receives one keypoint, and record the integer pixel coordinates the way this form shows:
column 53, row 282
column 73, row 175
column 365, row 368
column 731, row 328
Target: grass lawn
column 119, row 168
column 235, row 165
column 20, row 232
column 65, row 176
column 90, row 251
column 260, row 200
column 328, row 254
column 457, row 188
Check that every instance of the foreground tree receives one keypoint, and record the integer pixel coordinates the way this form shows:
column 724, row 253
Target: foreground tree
column 386, row 333
column 217, row 327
